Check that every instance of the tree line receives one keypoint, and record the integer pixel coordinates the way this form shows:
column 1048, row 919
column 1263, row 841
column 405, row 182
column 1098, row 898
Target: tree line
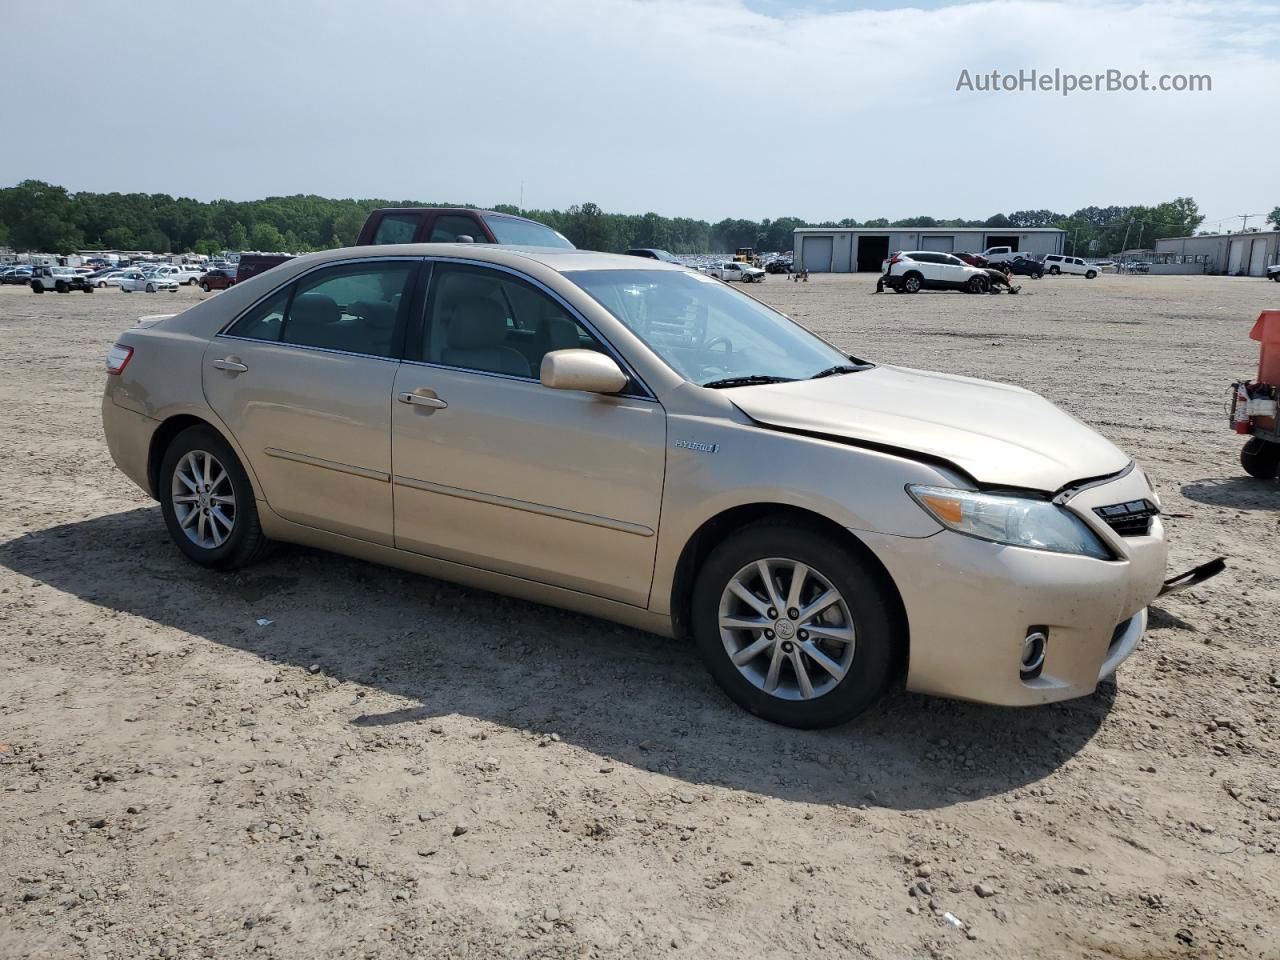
column 38, row 216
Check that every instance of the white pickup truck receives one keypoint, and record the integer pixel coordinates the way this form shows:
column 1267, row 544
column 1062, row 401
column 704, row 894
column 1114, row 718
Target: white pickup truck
column 1000, row 254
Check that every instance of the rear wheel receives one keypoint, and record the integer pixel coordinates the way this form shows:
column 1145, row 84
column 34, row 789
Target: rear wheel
column 37, row 287
column 1260, row 458
column 1054, row 271
column 911, row 283
column 208, row 502
column 794, row 626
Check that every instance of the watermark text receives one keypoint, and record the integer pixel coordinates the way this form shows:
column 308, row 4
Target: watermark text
column 1066, row 83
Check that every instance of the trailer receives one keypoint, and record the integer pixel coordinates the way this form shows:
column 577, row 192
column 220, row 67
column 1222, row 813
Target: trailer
column 1255, row 404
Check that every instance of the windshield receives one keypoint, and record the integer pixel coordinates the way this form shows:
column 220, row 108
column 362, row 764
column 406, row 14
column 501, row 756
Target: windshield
column 705, row 330
column 525, row 233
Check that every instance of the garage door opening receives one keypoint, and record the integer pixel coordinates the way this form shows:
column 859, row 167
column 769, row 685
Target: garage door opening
column 872, row 253
column 1010, row 242
column 817, row 254
column 938, row 243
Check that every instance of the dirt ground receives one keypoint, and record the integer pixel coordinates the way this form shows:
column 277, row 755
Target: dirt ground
column 397, row 767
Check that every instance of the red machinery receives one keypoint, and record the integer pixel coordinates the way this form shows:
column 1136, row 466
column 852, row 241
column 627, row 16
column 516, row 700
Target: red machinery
column 1254, row 403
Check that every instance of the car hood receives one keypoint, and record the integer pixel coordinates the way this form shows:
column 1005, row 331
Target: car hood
column 998, row 434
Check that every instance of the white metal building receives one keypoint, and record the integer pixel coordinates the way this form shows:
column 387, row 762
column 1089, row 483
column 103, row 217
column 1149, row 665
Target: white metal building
column 1235, row 254
column 864, row 249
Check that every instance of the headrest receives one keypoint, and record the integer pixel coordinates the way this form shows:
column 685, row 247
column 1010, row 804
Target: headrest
column 314, row 309
column 378, row 311
column 476, row 322
column 562, row 333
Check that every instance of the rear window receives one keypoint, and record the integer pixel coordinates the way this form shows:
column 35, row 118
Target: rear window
column 525, row 233
column 397, row 228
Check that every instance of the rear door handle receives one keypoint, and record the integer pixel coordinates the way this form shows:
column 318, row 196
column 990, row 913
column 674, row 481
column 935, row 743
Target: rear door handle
column 423, row 398
column 230, row 364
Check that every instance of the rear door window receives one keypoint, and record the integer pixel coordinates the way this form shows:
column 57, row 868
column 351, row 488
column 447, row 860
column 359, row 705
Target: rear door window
column 397, row 228
column 450, row 226
column 354, row 308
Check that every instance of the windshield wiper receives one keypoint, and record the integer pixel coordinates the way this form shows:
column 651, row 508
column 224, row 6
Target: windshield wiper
column 838, row 369
column 746, row 381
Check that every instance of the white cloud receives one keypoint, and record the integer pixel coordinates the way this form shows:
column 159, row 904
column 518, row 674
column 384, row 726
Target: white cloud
column 700, row 107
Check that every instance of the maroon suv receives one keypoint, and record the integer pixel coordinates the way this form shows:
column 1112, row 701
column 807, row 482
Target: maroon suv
column 455, row 225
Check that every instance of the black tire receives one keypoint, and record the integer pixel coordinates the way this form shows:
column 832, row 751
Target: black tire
column 246, row 543
column 1260, row 458
column 61, row 286
column 977, row 285
column 1054, row 271
column 37, row 288
column 1090, row 274
column 1037, row 275
column 86, row 289
column 151, row 288
column 204, row 287
column 911, row 283
column 878, row 640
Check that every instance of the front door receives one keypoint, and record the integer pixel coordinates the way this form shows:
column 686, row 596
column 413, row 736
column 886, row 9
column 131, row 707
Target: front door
column 303, row 381
column 494, row 470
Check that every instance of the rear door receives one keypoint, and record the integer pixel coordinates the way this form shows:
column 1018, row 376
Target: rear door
column 929, row 267
column 303, row 380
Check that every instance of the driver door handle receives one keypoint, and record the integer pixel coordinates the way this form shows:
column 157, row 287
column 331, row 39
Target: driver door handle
column 423, row 398
column 230, row 364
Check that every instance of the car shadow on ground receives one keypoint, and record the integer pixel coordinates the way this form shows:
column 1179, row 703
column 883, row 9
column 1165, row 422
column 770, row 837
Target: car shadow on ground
column 1239, row 493
column 623, row 694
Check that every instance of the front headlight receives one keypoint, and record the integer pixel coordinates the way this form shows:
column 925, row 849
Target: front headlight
column 1016, row 521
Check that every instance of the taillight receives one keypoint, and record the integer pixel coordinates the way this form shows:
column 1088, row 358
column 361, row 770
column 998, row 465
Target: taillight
column 894, row 259
column 118, row 358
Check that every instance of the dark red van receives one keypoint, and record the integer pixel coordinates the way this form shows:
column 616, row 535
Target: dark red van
column 455, row 225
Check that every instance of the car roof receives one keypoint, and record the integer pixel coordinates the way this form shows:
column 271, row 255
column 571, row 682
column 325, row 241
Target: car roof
column 487, row 213
column 556, row 258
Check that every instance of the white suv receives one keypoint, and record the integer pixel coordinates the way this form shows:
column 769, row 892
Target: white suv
column 916, row 270
column 1056, row 263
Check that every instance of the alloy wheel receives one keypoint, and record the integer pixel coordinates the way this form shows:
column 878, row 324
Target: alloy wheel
column 786, row 629
column 204, row 501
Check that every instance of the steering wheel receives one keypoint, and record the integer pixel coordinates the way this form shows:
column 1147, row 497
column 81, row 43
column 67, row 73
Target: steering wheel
column 717, row 341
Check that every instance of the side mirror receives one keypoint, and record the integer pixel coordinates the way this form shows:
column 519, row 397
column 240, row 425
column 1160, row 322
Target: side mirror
column 581, row 370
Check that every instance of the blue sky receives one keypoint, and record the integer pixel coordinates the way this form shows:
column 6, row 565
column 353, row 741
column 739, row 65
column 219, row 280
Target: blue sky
column 708, row 108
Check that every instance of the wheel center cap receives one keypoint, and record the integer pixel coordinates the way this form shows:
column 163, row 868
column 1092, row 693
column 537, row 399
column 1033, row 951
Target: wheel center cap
column 784, row 629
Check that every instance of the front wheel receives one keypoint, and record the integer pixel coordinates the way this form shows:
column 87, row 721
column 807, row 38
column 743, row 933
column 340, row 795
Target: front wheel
column 1089, row 275
column 61, row 286
column 1260, row 458
column 204, row 287
column 1037, row 275
column 978, row 285
column 795, row 627
column 208, row 503
column 151, row 288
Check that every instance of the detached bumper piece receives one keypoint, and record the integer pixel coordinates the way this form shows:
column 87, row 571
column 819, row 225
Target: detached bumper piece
column 1193, row 577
